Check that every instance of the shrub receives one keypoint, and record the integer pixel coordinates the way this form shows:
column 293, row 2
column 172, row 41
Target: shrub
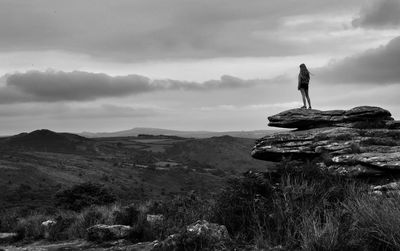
column 31, row 227
column 183, row 210
column 237, row 207
column 84, row 195
column 127, row 215
column 60, row 231
column 91, row 216
column 273, row 210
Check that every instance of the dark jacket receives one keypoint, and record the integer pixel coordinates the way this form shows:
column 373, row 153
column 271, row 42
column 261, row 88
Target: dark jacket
column 303, row 79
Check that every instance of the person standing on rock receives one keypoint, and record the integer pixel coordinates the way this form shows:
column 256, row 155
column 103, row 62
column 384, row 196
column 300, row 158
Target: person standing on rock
column 304, row 79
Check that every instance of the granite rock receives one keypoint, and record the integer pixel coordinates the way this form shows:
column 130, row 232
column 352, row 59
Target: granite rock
column 361, row 141
column 305, row 118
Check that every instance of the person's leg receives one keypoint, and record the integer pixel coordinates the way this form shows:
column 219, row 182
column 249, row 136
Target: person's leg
column 308, row 98
column 303, row 95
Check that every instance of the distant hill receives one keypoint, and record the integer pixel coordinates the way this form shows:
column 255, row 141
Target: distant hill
column 186, row 134
column 46, row 141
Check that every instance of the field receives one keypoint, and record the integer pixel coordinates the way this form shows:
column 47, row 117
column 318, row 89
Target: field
column 35, row 166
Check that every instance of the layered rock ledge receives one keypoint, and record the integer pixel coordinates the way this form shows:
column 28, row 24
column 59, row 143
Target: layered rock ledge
column 364, row 140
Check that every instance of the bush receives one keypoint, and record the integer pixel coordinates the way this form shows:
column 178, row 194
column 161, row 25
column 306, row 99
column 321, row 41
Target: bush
column 91, row 216
column 127, row 215
column 84, row 195
column 298, row 207
column 61, row 230
column 31, row 228
column 238, row 205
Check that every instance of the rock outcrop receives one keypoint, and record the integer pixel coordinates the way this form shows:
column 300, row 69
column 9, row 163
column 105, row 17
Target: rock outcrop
column 364, row 140
column 356, row 117
column 199, row 235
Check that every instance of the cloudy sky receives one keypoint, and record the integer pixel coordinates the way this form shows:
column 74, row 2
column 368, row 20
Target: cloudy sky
column 100, row 65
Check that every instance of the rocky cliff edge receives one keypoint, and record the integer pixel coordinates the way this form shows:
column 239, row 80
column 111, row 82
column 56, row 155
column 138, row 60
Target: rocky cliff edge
column 364, row 140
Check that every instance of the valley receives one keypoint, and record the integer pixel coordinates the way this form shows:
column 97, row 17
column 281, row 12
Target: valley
column 34, row 166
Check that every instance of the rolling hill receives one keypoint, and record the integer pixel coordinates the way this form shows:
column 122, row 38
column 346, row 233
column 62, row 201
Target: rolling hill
column 34, row 166
column 46, row 140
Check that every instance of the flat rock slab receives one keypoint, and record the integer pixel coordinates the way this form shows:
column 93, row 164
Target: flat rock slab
column 344, row 151
column 382, row 161
column 306, row 119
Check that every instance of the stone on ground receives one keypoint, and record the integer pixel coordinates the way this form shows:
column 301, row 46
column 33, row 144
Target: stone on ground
column 100, row 232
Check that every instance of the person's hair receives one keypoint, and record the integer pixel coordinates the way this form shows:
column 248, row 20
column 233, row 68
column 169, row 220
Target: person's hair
column 303, row 70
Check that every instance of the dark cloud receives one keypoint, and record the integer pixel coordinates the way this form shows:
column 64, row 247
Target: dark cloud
column 375, row 66
column 53, row 86
column 63, row 111
column 129, row 30
column 59, row 86
column 381, row 13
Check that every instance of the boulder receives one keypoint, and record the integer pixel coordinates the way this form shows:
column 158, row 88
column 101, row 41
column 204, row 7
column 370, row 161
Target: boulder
column 392, row 188
column 101, row 233
column 47, row 227
column 305, row 118
column 208, row 230
column 200, row 235
column 363, row 141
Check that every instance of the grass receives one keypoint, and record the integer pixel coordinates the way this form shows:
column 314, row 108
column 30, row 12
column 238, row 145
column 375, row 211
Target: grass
column 319, row 234
column 178, row 213
column 302, row 208
column 378, row 220
column 113, row 166
column 307, row 209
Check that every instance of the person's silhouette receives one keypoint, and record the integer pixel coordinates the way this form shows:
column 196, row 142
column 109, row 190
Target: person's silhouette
column 304, row 79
